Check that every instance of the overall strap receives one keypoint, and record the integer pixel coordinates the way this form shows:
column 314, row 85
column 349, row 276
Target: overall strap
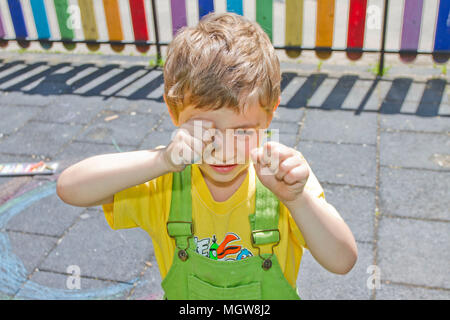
column 265, row 224
column 179, row 225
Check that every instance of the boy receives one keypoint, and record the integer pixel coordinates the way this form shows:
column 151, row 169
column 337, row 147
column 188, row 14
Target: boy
column 229, row 216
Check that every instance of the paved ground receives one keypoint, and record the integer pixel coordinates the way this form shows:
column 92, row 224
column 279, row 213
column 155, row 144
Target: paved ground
column 380, row 148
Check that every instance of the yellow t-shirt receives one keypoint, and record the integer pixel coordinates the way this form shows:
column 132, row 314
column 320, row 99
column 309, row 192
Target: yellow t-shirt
column 223, row 227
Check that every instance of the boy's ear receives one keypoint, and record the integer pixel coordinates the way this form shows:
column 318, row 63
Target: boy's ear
column 279, row 100
column 269, row 120
column 174, row 119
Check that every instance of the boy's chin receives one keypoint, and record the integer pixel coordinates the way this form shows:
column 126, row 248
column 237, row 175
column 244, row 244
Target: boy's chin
column 219, row 176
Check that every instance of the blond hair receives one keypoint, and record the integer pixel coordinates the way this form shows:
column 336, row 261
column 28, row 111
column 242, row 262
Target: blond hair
column 224, row 61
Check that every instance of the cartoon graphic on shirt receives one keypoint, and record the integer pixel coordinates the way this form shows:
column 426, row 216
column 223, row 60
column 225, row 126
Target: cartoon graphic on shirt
column 225, row 249
column 245, row 253
column 209, row 247
column 213, row 249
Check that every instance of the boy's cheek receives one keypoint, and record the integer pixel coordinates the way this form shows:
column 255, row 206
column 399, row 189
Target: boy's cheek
column 245, row 149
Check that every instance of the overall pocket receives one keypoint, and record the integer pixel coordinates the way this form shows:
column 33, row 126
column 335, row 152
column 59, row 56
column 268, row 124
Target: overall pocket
column 201, row 290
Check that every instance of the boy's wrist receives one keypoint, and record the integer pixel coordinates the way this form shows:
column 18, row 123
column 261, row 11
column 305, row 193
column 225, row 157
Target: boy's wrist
column 165, row 161
column 298, row 202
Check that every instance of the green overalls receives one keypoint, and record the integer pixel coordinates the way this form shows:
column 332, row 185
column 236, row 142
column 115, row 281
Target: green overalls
column 193, row 276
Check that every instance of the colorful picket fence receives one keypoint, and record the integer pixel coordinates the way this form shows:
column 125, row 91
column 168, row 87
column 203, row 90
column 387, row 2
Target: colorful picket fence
column 144, row 38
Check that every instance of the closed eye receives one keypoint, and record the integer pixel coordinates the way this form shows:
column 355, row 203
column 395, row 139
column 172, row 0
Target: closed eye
column 244, row 132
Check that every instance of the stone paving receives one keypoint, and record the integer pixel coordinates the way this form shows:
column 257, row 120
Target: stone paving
column 380, row 148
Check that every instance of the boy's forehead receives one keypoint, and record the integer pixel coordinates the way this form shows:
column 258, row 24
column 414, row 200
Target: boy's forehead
column 227, row 118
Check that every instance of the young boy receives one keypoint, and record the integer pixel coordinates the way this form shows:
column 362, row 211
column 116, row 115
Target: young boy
column 229, row 216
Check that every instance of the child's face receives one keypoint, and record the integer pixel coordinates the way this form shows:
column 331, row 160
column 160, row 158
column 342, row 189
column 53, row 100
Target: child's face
column 235, row 135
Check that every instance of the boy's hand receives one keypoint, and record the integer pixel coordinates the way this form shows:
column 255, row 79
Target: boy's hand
column 281, row 169
column 187, row 144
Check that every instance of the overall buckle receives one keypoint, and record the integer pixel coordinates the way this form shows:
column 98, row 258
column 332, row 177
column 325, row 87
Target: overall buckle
column 182, row 253
column 267, row 263
column 189, row 222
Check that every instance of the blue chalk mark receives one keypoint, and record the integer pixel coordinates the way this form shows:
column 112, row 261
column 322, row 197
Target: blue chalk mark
column 13, row 274
column 205, row 7
column 235, row 6
column 40, row 19
column 15, row 9
column 31, row 290
column 115, row 145
column 15, row 206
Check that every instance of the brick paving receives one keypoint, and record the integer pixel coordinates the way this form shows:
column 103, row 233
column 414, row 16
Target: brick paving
column 380, row 148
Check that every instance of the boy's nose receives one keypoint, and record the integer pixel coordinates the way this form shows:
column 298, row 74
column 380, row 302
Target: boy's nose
column 224, row 149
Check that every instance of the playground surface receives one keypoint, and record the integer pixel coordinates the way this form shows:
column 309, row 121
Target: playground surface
column 379, row 146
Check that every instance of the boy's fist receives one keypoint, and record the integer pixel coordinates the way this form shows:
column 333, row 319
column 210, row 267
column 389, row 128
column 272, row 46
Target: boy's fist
column 281, row 169
column 187, row 144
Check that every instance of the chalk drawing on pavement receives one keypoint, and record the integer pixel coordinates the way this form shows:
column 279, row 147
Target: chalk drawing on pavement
column 13, row 275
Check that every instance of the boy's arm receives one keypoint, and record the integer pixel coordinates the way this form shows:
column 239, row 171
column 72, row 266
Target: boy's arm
column 95, row 180
column 328, row 237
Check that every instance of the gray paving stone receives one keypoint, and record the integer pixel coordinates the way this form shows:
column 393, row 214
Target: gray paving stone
column 166, row 124
column 340, row 92
column 322, row 93
column 147, row 85
column 414, row 123
column 61, row 111
column 357, row 94
column 45, row 285
column 4, row 181
column 24, row 99
column 375, row 95
column 414, row 251
column 414, row 193
column 394, row 98
column 12, row 118
column 338, row 126
column 156, row 138
column 356, row 206
column 290, row 84
column 39, row 138
column 149, row 286
column 144, row 106
column 284, row 127
column 288, row 114
column 100, row 251
column 82, row 150
column 444, row 109
column 10, row 186
column 30, row 249
column 78, row 101
column 402, row 292
column 129, row 129
column 413, row 150
column 306, row 91
column 289, row 140
column 118, row 104
column 316, row 283
column 341, row 163
column 432, row 97
column 48, row 216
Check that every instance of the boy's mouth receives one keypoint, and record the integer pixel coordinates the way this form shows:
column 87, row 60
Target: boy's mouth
column 223, row 168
